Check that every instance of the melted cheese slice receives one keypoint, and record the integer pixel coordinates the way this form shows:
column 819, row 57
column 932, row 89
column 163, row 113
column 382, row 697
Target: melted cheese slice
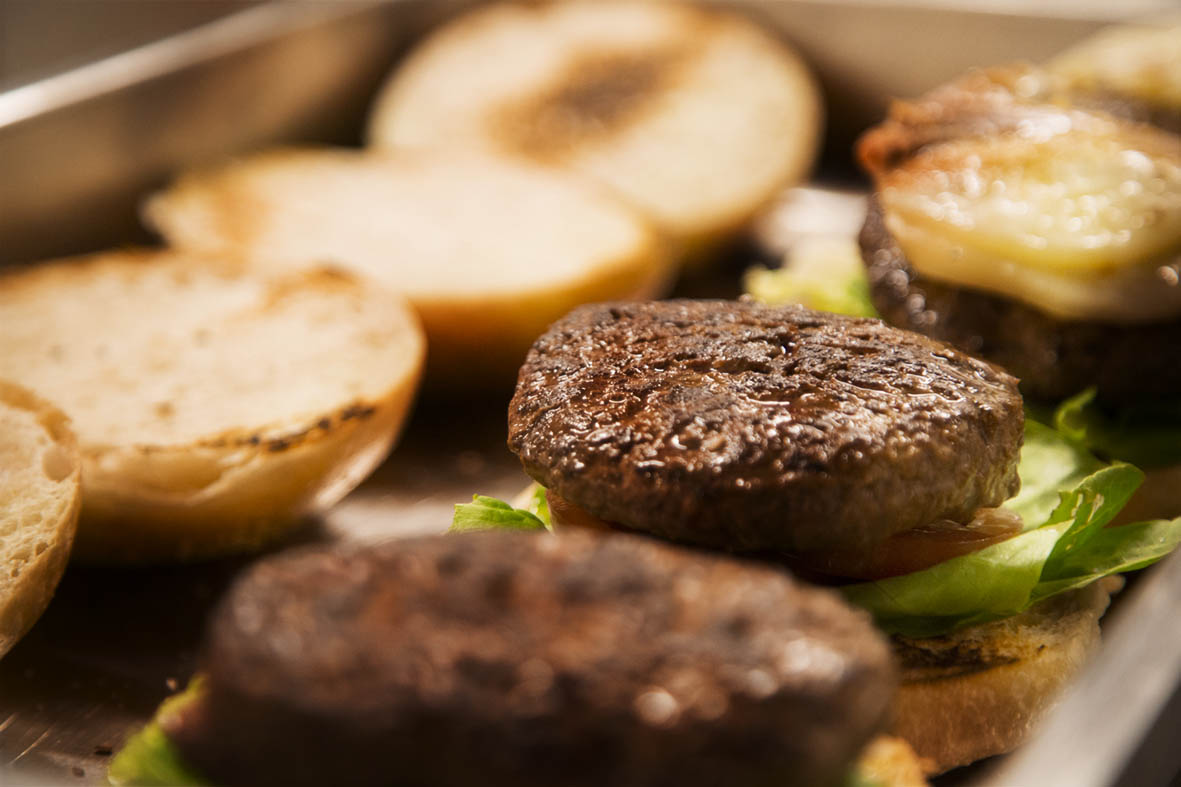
column 1082, row 221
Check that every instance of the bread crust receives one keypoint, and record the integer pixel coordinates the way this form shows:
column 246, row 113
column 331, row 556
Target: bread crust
column 191, row 460
column 31, row 574
column 261, row 486
column 981, row 691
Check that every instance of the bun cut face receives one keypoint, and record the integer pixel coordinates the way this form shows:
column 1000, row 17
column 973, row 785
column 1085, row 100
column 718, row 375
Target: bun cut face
column 488, row 251
column 213, row 409
column 40, row 495
column 696, row 117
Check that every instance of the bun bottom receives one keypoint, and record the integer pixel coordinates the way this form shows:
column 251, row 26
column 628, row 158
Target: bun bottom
column 982, row 690
column 890, row 762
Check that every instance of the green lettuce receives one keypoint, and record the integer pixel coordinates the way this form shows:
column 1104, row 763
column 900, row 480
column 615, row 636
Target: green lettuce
column 824, row 274
column 858, row 778
column 1147, row 434
column 1067, row 499
column 1049, row 466
column 489, row 513
column 149, row 758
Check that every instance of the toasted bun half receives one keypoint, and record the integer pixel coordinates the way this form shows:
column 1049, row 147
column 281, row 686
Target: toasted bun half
column 697, row 117
column 40, row 495
column 489, row 252
column 1141, row 61
column 980, row 691
column 890, row 762
column 212, row 409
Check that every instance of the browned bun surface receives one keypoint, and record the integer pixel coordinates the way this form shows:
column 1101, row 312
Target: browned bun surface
column 527, row 659
column 750, row 427
column 1053, row 358
column 982, row 690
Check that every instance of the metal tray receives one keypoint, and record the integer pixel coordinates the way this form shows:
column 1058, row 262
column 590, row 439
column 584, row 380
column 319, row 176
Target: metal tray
column 79, row 150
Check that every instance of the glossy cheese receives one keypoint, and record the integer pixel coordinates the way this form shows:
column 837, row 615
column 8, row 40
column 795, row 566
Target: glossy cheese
column 1080, row 220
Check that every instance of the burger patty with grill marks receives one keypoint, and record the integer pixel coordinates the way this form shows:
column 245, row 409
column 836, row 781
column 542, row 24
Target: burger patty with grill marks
column 525, row 659
column 756, row 428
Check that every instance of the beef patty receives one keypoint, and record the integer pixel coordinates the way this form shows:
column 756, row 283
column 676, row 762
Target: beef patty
column 528, row 659
column 1053, row 358
column 741, row 426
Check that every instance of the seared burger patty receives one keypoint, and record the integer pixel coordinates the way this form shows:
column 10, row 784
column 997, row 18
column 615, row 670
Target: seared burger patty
column 749, row 427
column 523, row 659
column 1053, row 358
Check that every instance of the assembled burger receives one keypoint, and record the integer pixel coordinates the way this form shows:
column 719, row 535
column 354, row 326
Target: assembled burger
column 859, row 455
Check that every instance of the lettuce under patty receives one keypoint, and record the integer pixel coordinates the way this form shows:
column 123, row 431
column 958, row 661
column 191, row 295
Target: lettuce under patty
column 1067, row 497
column 489, row 513
column 827, row 276
column 1147, row 434
column 1070, row 548
column 149, row 758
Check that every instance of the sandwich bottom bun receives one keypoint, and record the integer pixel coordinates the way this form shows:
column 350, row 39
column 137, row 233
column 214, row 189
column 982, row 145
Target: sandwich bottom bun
column 890, row 762
column 982, row 690
column 213, row 408
column 40, row 496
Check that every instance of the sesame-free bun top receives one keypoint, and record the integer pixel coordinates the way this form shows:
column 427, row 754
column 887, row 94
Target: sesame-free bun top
column 697, row 117
column 488, row 251
column 212, row 407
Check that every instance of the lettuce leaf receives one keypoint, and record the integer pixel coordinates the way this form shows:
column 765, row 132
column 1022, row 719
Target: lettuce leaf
column 822, row 273
column 1065, row 546
column 532, row 499
column 1049, row 465
column 1067, row 497
column 1147, row 434
column 489, row 513
column 149, row 758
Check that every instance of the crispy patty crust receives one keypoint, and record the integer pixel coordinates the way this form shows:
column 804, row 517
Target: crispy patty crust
column 527, row 659
column 748, row 427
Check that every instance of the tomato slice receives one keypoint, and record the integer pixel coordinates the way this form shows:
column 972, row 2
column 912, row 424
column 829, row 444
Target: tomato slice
column 918, row 548
column 903, row 553
column 563, row 513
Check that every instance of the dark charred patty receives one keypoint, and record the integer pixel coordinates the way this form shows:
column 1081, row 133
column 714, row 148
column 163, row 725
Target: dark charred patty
column 526, row 659
column 748, row 427
column 1053, row 358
